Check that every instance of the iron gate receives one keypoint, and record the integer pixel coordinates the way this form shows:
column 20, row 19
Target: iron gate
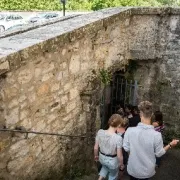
column 121, row 91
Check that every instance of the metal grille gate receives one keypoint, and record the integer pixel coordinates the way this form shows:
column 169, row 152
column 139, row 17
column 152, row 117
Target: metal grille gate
column 120, row 92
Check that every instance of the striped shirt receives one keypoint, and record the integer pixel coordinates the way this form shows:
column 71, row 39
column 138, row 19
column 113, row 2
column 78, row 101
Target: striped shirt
column 144, row 145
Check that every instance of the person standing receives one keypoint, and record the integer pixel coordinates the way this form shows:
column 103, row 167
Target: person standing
column 108, row 149
column 159, row 127
column 128, row 111
column 133, row 122
column 144, row 144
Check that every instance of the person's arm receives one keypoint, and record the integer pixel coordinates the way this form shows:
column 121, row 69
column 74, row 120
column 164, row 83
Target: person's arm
column 159, row 147
column 96, row 151
column 171, row 144
column 120, row 158
column 96, row 147
column 126, row 144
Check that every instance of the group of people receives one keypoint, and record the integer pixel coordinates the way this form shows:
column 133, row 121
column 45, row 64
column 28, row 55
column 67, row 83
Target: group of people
column 133, row 140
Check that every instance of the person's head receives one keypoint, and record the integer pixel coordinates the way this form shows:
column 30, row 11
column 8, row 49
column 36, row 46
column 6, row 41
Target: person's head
column 158, row 119
column 128, row 109
column 124, row 125
column 135, row 110
column 115, row 121
column 121, row 112
column 146, row 112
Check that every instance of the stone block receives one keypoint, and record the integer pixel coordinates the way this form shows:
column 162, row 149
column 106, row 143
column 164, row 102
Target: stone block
column 13, row 103
column 24, row 114
column 4, row 67
column 85, row 66
column 67, row 118
column 63, row 52
column 51, row 118
column 64, row 99
column 55, row 87
column 74, row 66
column 12, row 117
column 47, row 76
column 70, row 107
column 43, row 89
column 26, row 123
column 10, row 92
column 23, row 105
column 31, row 97
column 73, row 93
column 67, row 87
column 25, row 76
column 60, row 76
column 37, row 72
column 22, row 98
column 48, row 67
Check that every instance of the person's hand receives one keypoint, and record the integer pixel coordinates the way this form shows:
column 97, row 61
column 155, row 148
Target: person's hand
column 96, row 158
column 174, row 142
column 122, row 167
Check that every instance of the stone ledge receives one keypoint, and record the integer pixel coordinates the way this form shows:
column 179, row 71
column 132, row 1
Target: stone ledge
column 68, row 31
column 4, row 67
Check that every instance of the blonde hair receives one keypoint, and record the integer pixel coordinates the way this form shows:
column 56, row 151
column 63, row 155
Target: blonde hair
column 115, row 120
column 146, row 108
column 125, row 123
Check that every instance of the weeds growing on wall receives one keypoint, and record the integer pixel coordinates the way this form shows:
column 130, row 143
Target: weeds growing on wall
column 105, row 76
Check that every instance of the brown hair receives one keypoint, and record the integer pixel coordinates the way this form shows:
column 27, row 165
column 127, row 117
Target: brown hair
column 115, row 120
column 146, row 108
column 125, row 123
column 158, row 117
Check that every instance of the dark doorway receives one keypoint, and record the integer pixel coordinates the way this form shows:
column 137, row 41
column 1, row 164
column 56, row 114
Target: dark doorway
column 120, row 92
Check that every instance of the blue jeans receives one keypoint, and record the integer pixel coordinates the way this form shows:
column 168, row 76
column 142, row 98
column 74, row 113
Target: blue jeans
column 110, row 167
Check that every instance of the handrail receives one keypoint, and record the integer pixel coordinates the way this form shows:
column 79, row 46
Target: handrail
column 44, row 133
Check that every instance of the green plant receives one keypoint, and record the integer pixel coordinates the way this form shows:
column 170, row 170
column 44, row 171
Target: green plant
column 105, row 76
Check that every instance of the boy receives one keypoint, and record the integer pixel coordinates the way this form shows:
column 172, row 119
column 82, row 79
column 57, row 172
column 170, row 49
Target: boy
column 144, row 144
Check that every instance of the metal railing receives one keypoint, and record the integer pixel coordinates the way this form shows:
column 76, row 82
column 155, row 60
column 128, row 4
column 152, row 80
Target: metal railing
column 23, row 130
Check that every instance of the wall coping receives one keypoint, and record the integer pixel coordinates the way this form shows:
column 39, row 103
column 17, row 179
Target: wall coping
column 14, row 43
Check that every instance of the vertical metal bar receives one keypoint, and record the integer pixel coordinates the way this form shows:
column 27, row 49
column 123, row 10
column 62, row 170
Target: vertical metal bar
column 120, row 97
column 112, row 94
column 117, row 86
column 125, row 92
column 130, row 98
column 104, row 105
column 135, row 93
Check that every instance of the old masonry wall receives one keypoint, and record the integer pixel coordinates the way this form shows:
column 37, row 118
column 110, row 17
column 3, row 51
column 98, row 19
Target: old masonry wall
column 50, row 83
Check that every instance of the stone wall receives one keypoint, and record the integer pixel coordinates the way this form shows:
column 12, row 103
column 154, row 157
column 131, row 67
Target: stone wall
column 50, row 83
column 156, row 52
